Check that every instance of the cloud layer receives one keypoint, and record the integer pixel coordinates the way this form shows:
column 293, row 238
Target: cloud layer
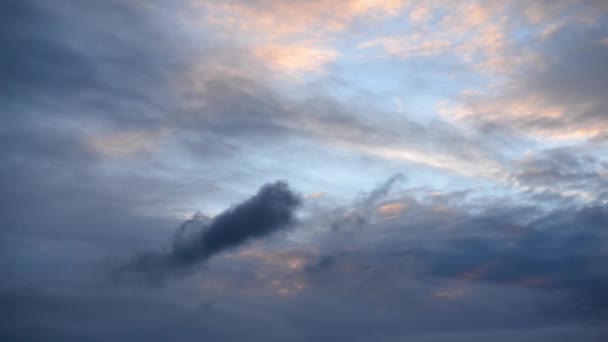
column 120, row 119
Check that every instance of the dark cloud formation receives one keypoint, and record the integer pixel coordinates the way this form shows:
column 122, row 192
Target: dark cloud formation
column 270, row 210
column 558, row 252
column 452, row 269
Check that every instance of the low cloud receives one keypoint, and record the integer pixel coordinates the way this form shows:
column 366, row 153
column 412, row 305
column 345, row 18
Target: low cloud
column 270, row 210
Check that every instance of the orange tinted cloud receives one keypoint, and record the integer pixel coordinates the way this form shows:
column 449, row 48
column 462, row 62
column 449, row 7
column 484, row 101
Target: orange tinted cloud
column 295, row 59
column 480, row 33
column 476, row 34
column 392, row 210
column 281, row 18
column 421, row 13
column 521, row 112
column 289, row 260
column 317, row 194
column 293, row 37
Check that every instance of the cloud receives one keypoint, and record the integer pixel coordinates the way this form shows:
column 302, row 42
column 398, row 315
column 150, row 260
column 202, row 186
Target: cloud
column 295, row 60
column 294, row 37
column 563, row 172
column 139, row 100
column 558, row 251
column 464, row 244
column 108, row 136
column 126, row 144
column 474, row 33
column 278, row 19
column 518, row 270
column 553, row 94
column 382, row 190
column 408, row 46
column 270, row 210
column 391, row 210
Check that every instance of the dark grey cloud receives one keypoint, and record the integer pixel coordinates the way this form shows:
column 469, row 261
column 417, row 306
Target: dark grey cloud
column 51, row 315
column 367, row 281
column 560, row 251
column 270, row 210
column 554, row 251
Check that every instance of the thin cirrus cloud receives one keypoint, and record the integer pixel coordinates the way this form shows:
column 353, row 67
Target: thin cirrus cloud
column 312, row 24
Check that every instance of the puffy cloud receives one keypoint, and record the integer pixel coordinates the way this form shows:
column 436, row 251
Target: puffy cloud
column 270, row 210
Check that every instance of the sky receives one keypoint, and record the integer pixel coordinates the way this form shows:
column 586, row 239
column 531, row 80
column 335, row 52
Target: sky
column 274, row 170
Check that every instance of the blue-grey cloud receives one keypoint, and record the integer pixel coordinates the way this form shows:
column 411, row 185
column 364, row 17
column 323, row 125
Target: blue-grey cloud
column 558, row 252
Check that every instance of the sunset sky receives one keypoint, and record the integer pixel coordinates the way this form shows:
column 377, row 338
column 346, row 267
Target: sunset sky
column 304, row 170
